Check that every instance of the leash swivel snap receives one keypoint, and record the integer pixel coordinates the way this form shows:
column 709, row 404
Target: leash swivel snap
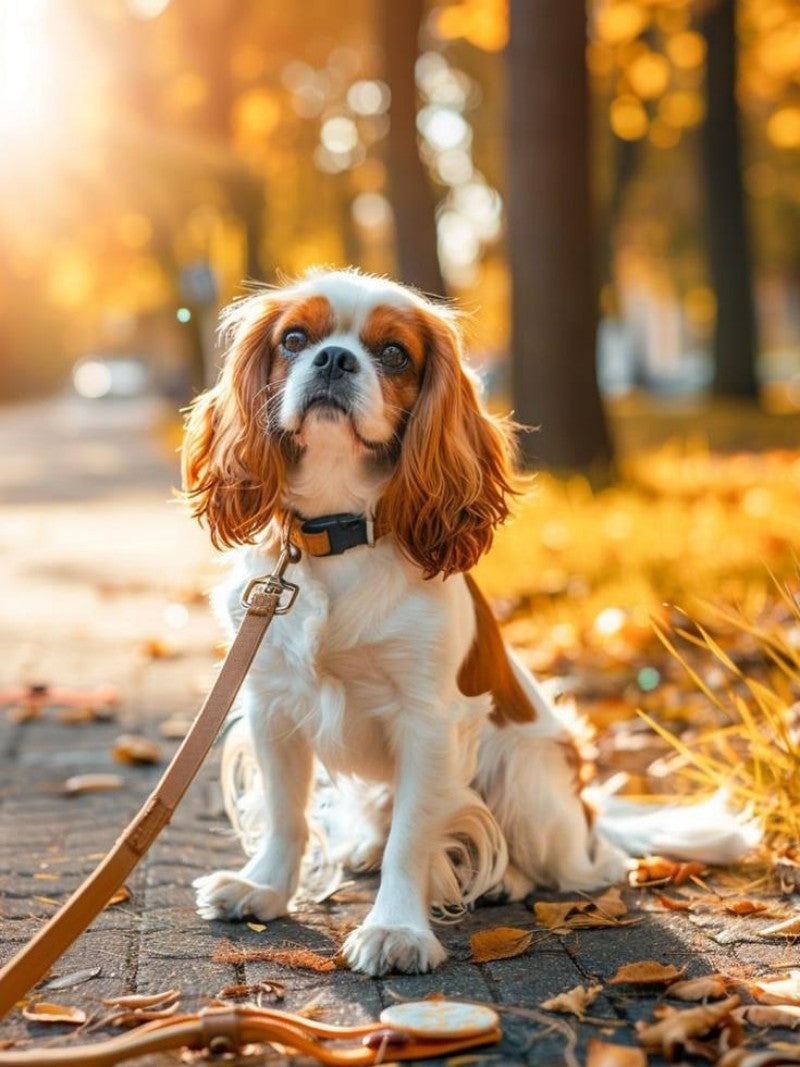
column 273, row 586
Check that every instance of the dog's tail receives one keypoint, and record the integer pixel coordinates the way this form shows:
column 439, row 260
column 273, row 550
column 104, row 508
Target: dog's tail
column 530, row 776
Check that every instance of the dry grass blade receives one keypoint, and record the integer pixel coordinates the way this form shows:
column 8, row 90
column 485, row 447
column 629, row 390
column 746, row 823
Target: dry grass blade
column 144, row 1000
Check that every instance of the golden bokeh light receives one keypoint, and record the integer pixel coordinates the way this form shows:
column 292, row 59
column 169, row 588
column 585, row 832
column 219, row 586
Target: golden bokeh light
column 648, row 75
column 687, row 50
column 628, row 118
column 783, row 127
column 682, row 108
column 620, row 22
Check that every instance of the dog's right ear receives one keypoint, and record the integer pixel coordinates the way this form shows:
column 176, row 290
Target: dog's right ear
column 233, row 469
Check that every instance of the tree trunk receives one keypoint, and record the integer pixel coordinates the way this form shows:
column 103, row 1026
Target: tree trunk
column 735, row 336
column 554, row 295
column 409, row 188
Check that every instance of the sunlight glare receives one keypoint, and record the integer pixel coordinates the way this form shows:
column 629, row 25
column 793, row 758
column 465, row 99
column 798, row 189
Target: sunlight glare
column 25, row 62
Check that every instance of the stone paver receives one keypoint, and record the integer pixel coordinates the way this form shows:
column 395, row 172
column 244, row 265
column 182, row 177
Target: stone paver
column 88, row 569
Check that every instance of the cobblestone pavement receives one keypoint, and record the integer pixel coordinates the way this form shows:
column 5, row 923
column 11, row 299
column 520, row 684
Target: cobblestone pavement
column 99, row 572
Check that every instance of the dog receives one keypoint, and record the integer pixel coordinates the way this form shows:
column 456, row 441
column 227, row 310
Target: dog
column 346, row 420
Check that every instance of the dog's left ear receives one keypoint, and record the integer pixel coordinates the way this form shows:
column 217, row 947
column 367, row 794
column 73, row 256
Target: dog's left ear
column 454, row 475
column 233, row 469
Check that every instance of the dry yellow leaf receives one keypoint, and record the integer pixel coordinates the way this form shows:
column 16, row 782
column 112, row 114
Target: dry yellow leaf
column 602, row 1054
column 611, row 903
column 500, row 943
column 745, row 907
column 670, row 1034
column 778, row 990
column 574, row 1002
column 119, row 897
column 646, row 972
column 133, row 748
column 42, row 1011
column 144, row 1000
column 93, row 783
column 672, row 903
column 259, row 928
column 710, row 985
column 553, row 915
column 783, row 1015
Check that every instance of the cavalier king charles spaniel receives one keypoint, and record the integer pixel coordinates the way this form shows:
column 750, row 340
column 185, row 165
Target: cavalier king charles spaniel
column 346, row 420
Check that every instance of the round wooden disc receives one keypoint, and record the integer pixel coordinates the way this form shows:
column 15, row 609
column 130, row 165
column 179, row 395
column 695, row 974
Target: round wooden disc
column 440, row 1018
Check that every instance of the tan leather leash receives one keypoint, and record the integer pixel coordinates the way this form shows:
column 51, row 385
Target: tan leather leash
column 264, row 598
column 224, row 1029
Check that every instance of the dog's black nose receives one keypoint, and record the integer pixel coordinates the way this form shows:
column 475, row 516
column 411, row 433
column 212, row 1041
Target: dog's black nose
column 333, row 361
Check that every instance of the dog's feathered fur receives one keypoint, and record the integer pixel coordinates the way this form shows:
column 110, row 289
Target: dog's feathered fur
column 460, row 775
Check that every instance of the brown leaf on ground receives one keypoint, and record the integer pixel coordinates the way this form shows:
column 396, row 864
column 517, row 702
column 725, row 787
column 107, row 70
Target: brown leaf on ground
column 745, row 907
column 563, row 915
column 286, row 957
column 144, row 1000
column 574, row 1002
column 773, row 1057
column 659, row 870
column 269, row 988
column 777, row 990
column 122, row 895
column 500, row 943
column 646, row 972
column 671, row 1035
column 710, row 985
column 42, row 1011
column 93, row 783
column 133, row 748
column 611, row 903
column 602, row 1054
column 672, row 903
column 762, row 1015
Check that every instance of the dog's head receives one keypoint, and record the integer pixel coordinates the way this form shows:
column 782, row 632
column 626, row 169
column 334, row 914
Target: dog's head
column 373, row 360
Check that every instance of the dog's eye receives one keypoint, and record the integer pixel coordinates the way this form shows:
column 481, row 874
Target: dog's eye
column 294, row 341
column 394, row 358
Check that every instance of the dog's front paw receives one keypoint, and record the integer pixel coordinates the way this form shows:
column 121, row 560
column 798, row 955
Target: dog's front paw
column 227, row 895
column 376, row 950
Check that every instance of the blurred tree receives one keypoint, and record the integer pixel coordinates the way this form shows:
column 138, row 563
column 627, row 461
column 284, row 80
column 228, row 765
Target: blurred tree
column 410, row 192
column 554, row 296
column 735, row 334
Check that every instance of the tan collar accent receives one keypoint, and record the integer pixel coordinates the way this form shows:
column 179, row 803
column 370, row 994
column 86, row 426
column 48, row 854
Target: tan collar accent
column 331, row 535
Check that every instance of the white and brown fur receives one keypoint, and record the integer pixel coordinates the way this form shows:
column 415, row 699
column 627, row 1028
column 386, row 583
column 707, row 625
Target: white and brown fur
column 460, row 774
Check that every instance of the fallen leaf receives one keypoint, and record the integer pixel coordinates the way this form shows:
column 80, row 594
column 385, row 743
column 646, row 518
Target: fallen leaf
column 775, row 1057
column 602, row 1054
column 671, row 1034
column 500, row 943
column 119, row 897
column 67, row 981
column 93, row 783
column 672, row 903
column 778, row 990
column 144, row 1000
column 745, row 907
column 611, row 903
column 75, row 716
column 710, row 985
column 646, row 972
column 658, row 869
column 553, row 915
column 175, row 729
column 785, row 1016
column 270, row 988
column 42, row 1011
column 258, row 927
column 574, row 1002
column 133, row 748
column 287, row 957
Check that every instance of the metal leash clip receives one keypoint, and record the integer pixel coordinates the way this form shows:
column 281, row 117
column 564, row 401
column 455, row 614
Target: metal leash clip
column 275, row 584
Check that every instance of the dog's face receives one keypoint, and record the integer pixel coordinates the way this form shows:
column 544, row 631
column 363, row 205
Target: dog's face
column 347, row 348
column 372, row 358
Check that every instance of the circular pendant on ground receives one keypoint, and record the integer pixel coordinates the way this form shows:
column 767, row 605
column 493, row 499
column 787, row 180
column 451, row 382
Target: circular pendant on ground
column 440, row 1018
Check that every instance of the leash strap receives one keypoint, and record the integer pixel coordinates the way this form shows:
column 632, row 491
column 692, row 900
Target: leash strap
column 264, row 598
column 225, row 1030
